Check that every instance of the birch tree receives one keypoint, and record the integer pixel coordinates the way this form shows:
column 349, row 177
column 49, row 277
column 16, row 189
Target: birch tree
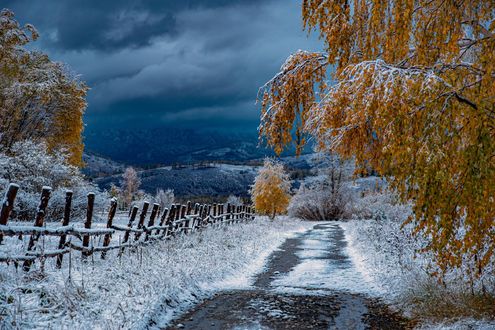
column 40, row 100
column 407, row 87
column 270, row 192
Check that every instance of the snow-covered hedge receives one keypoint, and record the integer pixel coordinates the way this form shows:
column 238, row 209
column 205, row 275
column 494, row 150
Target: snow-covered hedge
column 31, row 166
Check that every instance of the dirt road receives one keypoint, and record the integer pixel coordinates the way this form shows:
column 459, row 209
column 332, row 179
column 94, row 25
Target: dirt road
column 308, row 284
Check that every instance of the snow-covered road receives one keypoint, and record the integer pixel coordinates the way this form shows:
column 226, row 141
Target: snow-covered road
column 310, row 282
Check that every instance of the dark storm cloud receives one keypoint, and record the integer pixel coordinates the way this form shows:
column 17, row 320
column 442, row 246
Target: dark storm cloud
column 104, row 24
column 169, row 61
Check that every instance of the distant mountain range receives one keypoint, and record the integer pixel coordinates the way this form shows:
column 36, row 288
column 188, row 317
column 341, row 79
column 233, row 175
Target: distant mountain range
column 167, row 145
column 208, row 179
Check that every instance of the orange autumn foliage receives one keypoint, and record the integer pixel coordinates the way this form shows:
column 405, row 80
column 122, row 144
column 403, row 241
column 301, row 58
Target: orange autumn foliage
column 412, row 94
column 40, row 100
column 271, row 190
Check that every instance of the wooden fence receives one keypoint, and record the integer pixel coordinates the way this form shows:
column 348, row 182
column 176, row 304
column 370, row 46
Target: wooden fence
column 160, row 225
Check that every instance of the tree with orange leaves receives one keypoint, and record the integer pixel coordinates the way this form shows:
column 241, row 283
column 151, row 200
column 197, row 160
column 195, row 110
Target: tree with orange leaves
column 40, row 100
column 413, row 96
column 271, row 190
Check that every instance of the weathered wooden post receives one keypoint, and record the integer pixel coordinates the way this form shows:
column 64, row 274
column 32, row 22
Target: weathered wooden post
column 183, row 210
column 87, row 224
column 8, row 205
column 111, row 215
column 65, row 222
column 38, row 222
column 163, row 219
column 227, row 213
column 220, row 213
column 208, row 213
column 214, row 213
column 132, row 217
column 199, row 217
column 142, row 217
column 170, row 221
column 151, row 222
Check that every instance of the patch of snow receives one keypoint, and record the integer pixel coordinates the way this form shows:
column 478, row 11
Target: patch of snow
column 317, row 272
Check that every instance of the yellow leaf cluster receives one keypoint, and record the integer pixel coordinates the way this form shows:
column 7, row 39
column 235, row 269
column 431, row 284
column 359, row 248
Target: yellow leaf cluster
column 271, row 190
column 40, row 100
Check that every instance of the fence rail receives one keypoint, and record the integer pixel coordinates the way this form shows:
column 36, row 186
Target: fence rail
column 162, row 224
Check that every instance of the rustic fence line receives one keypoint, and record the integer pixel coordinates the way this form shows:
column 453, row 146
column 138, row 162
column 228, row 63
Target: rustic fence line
column 162, row 224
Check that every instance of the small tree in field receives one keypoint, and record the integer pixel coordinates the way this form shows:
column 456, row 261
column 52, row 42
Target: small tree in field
column 270, row 192
column 165, row 198
column 130, row 184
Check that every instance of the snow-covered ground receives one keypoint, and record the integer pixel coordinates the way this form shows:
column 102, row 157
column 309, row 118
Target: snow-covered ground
column 385, row 255
column 325, row 264
column 146, row 287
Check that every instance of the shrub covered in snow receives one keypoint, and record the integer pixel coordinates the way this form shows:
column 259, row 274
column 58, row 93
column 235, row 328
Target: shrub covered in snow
column 31, row 166
column 389, row 252
column 164, row 198
column 327, row 199
column 234, row 200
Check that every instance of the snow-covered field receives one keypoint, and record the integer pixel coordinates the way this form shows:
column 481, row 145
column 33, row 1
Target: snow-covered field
column 146, row 287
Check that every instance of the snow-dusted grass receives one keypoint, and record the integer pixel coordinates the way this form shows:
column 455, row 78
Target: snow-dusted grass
column 144, row 287
column 384, row 252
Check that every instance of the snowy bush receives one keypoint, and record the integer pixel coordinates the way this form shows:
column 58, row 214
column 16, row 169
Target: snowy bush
column 389, row 252
column 322, row 200
column 31, row 166
column 164, row 198
column 234, row 200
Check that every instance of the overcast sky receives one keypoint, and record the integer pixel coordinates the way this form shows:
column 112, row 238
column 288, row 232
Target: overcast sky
column 169, row 62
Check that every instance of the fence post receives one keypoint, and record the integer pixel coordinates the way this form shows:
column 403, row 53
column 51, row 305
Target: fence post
column 151, row 222
column 170, row 220
column 142, row 217
column 199, row 217
column 163, row 219
column 183, row 209
column 87, row 224
column 65, row 222
column 111, row 215
column 227, row 213
column 133, row 213
column 208, row 213
column 8, row 205
column 38, row 222
column 219, row 213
